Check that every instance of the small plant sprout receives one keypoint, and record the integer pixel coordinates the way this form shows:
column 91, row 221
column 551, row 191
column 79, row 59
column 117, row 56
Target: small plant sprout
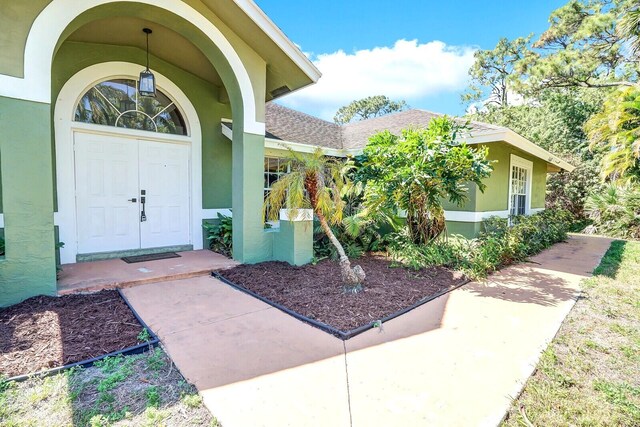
column 144, row 335
column 377, row 324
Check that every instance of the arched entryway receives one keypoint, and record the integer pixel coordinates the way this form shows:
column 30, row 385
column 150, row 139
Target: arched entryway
column 128, row 173
column 226, row 56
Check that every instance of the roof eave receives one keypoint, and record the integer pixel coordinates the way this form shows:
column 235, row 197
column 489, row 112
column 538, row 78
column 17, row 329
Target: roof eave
column 518, row 141
column 279, row 38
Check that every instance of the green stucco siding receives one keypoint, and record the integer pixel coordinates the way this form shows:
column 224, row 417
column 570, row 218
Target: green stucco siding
column 293, row 242
column 466, row 229
column 468, row 205
column 251, row 243
column 216, row 148
column 16, row 18
column 496, row 195
column 29, row 264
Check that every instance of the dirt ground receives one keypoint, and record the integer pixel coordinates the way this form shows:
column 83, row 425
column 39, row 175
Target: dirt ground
column 46, row 332
column 316, row 291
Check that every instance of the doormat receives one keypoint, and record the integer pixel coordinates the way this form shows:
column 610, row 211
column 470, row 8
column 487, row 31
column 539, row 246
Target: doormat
column 149, row 257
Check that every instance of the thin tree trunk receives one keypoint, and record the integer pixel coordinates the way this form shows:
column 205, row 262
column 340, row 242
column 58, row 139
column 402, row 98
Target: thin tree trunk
column 351, row 277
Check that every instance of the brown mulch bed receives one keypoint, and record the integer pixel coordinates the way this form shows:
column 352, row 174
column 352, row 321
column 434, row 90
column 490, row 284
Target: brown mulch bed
column 316, row 291
column 47, row 332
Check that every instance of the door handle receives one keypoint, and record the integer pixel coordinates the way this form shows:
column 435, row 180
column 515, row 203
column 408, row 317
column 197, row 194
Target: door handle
column 143, row 215
column 134, row 200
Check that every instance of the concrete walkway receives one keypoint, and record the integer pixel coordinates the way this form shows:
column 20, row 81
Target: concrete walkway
column 115, row 273
column 455, row 361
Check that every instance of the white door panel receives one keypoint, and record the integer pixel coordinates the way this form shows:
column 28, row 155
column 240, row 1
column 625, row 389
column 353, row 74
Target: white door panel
column 164, row 175
column 106, row 177
column 110, row 170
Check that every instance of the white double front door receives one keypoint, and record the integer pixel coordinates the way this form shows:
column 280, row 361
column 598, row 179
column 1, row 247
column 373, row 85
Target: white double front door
column 130, row 193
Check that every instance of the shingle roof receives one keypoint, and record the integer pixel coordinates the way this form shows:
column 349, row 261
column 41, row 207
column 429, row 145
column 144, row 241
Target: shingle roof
column 293, row 126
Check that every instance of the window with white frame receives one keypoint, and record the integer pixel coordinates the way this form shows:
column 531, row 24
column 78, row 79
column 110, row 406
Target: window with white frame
column 274, row 169
column 116, row 102
column 520, row 186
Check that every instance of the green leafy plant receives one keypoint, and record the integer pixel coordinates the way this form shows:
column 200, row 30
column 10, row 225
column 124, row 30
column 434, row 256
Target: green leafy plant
column 615, row 211
column 498, row 245
column 616, row 130
column 317, row 182
column 153, row 396
column 155, row 360
column 416, row 170
column 220, row 235
column 144, row 335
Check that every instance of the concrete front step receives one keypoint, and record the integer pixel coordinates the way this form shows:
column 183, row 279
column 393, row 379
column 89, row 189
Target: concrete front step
column 115, row 273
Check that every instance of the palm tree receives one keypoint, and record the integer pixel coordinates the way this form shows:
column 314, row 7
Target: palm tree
column 628, row 29
column 316, row 182
column 616, row 129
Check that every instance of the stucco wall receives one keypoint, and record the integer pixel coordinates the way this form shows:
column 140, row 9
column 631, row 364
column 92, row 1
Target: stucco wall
column 16, row 18
column 216, row 149
column 28, row 267
column 496, row 195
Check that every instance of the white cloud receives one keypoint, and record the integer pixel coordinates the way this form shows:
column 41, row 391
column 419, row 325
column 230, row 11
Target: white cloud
column 408, row 70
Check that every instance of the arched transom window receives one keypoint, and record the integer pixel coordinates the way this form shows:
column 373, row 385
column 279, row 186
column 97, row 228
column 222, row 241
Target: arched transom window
column 117, row 103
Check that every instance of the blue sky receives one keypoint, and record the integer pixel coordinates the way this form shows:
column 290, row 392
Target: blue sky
column 418, row 50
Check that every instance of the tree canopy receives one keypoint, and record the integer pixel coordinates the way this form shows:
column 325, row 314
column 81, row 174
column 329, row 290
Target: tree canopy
column 366, row 108
column 494, row 69
column 588, row 44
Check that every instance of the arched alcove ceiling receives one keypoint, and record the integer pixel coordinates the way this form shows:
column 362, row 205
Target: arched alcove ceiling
column 164, row 43
column 209, row 61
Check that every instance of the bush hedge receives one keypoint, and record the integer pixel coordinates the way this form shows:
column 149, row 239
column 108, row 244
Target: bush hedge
column 498, row 245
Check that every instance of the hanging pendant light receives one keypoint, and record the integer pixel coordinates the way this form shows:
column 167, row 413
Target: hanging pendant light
column 147, row 84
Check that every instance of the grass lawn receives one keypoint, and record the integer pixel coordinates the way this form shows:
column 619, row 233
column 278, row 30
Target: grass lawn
column 590, row 374
column 143, row 390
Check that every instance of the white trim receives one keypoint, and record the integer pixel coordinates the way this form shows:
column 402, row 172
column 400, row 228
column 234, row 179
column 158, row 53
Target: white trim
column 300, row 215
column 271, row 29
column 471, row 216
column 54, row 19
column 535, row 210
column 213, row 213
column 1, row 220
column 518, row 141
column 528, row 166
column 226, row 131
column 65, row 128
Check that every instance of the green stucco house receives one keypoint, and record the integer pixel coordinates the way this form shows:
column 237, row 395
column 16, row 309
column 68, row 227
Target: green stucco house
column 87, row 158
column 517, row 185
column 80, row 148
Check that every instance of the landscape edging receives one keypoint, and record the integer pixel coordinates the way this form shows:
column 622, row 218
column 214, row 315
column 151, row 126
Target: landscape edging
column 343, row 335
column 136, row 349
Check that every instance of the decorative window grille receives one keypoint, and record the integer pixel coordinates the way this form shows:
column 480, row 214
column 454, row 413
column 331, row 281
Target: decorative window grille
column 519, row 188
column 117, row 103
column 274, row 169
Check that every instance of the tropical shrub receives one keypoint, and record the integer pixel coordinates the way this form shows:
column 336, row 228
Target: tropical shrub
column 615, row 211
column 498, row 245
column 220, row 235
column 416, row 170
column 616, row 131
column 318, row 182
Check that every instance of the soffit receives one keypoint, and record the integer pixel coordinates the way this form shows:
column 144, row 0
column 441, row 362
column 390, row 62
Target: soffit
column 164, row 43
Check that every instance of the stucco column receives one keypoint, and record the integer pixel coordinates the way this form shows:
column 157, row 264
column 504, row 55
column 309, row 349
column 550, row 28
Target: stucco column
column 251, row 243
column 29, row 266
column 293, row 243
